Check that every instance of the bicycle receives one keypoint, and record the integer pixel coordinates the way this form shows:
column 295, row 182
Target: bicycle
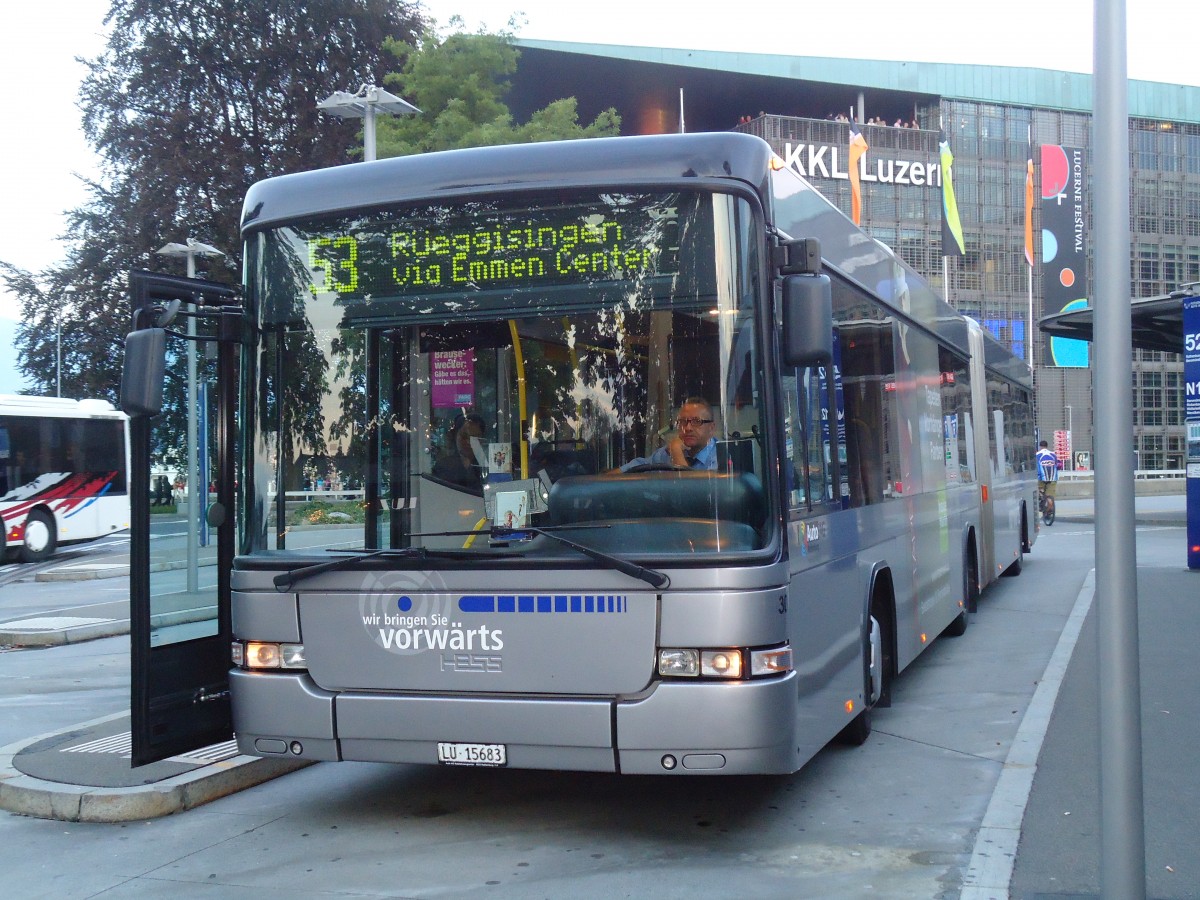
column 1046, row 506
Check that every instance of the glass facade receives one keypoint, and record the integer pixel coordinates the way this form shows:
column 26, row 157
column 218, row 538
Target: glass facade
column 992, row 281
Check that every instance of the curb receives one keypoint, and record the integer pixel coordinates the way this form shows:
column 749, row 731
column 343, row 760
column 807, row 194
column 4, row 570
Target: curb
column 90, row 631
column 1156, row 521
column 58, row 637
column 28, row 796
column 86, row 572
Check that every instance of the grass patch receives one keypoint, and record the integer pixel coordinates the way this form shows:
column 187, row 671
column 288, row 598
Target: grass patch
column 319, row 512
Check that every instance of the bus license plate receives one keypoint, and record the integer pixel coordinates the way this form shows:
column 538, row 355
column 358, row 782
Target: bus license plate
column 472, row 754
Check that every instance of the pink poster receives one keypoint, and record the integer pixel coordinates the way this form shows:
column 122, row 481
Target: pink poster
column 453, row 378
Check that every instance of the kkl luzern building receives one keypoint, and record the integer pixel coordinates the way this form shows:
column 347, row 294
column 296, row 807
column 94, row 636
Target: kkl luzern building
column 1006, row 130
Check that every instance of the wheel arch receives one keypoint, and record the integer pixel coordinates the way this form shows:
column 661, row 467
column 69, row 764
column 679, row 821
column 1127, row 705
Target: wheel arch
column 881, row 596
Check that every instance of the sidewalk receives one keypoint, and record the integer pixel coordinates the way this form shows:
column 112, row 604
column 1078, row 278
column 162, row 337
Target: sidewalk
column 83, row 775
column 1059, row 853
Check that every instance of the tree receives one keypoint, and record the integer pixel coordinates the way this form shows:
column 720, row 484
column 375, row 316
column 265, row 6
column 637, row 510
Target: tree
column 459, row 82
column 190, row 103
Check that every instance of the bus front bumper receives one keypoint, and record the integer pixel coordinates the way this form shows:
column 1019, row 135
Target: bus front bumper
column 730, row 728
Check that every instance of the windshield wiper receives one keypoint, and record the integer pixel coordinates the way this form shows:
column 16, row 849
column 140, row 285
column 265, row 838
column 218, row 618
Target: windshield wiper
column 285, row 580
column 652, row 577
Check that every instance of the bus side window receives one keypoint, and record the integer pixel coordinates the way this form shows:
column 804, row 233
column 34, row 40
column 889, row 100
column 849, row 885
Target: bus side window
column 806, row 470
column 868, row 386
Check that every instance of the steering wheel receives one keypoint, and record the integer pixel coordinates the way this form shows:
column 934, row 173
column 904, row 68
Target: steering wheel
column 655, row 467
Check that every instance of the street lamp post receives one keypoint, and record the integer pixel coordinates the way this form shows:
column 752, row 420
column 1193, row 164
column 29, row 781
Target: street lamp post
column 190, row 251
column 363, row 105
column 68, row 290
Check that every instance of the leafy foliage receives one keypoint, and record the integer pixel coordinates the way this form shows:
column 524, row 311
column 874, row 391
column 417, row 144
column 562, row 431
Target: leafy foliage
column 459, row 82
column 191, row 102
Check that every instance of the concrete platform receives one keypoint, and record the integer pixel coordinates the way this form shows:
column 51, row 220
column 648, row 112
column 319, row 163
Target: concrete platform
column 83, row 774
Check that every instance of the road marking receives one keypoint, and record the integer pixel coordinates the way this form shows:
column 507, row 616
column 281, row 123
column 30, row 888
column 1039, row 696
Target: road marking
column 122, row 745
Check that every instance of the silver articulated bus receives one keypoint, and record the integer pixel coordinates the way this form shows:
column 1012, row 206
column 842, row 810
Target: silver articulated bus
column 639, row 457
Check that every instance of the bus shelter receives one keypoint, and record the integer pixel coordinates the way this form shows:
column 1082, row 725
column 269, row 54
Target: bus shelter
column 1172, row 323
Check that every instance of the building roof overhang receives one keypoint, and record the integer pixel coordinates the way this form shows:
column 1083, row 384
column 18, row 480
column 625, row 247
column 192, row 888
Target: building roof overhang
column 1156, row 322
column 1016, row 86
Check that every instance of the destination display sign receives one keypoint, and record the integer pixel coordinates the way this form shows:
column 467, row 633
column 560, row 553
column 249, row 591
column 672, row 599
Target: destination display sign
column 481, row 246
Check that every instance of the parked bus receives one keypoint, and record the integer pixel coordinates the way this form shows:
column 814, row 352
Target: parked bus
column 494, row 343
column 63, row 466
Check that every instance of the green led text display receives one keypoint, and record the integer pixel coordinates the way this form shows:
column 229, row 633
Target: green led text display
column 493, row 248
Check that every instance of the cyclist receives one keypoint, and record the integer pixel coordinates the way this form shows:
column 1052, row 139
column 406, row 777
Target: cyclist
column 1047, row 473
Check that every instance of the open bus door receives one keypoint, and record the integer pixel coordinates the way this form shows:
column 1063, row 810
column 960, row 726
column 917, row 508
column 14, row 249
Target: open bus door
column 180, row 627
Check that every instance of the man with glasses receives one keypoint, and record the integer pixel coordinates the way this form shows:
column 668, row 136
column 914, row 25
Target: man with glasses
column 693, row 445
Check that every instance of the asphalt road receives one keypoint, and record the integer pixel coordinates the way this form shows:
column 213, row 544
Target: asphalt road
column 897, row 817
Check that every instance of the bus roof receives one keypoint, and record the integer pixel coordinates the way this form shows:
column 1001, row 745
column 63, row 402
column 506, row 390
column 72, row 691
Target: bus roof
column 31, row 405
column 599, row 162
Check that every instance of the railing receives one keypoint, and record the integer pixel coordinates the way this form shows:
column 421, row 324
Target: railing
column 1138, row 475
column 327, row 496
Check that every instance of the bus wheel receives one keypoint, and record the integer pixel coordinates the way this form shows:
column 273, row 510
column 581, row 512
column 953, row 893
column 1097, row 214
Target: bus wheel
column 40, row 541
column 958, row 627
column 858, row 730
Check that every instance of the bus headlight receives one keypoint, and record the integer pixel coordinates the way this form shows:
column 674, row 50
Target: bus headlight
column 726, row 663
column 268, row 655
column 721, row 663
column 679, row 663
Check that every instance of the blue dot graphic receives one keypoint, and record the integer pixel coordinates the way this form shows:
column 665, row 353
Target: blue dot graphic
column 1049, row 245
column 405, row 604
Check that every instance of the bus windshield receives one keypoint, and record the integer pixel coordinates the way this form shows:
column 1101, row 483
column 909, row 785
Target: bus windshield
column 441, row 375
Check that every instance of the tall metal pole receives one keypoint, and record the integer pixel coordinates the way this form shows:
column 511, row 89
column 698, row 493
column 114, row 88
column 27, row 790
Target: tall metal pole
column 1122, row 829
column 369, row 130
column 193, row 468
column 190, row 251
column 58, row 354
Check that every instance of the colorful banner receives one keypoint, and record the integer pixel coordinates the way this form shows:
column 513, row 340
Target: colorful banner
column 858, row 149
column 1064, row 246
column 952, row 233
column 1029, row 205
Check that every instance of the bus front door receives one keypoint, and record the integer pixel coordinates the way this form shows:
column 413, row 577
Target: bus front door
column 181, row 555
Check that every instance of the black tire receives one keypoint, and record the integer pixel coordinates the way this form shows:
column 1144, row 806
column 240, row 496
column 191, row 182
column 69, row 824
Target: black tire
column 1048, row 511
column 41, row 539
column 958, row 627
column 855, row 733
column 971, row 588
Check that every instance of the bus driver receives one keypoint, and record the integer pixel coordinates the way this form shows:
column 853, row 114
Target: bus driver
column 694, row 444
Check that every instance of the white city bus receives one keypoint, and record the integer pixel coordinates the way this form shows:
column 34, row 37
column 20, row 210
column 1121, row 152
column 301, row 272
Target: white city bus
column 494, row 343
column 63, row 466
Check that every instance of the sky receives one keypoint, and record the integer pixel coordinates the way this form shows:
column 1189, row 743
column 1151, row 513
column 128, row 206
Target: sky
column 44, row 159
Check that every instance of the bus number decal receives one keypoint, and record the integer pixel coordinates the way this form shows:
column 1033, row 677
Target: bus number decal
column 325, row 255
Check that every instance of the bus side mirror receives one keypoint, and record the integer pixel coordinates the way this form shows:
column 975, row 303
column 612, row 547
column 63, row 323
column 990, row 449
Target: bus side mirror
column 143, row 372
column 807, row 320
